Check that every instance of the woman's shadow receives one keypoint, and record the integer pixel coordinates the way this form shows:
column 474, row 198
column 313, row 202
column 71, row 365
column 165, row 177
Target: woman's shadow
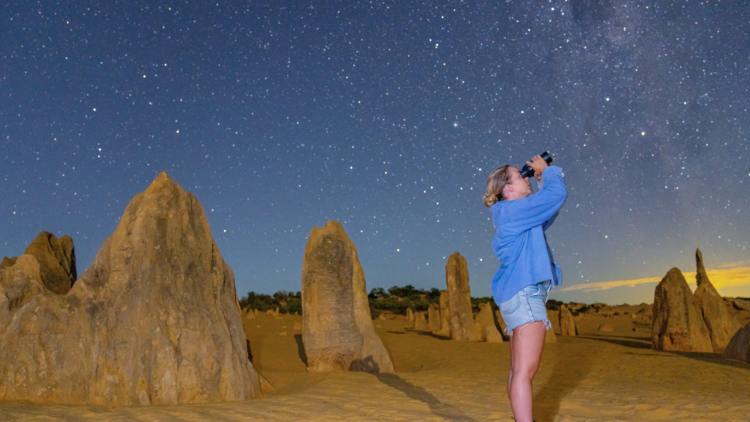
column 569, row 369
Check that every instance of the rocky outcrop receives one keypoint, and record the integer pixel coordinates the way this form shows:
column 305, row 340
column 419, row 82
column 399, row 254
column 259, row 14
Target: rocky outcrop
column 567, row 322
column 7, row 262
column 484, row 318
column 459, row 297
column 337, row 330
column 678, row 324
column 718, row 315
column 154, row 320
column 445, row 315
column 19, row 283
column 549, row 336
column 433, row 317
column 410, row 318
column 739, row 346
column 492, row 335
column 420, row 321
column 57, row 261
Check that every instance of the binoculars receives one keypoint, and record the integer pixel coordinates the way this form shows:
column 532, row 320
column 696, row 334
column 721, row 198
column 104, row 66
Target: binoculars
column 527, row 171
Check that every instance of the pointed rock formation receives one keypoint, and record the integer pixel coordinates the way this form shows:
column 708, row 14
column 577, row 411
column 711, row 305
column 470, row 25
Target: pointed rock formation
column 7, row 263
column 720, row 319
column 678, row 324
column 484, row 318
column 445, row 315
column 459, row 297
column 433, row 317
column 337, row 329
column 409, row 318
column 567, row 322
column 57, row 261
column 420, row 321
column 19, row 283
column 739, row 346
column 549, row 336
column 492, row 335
column 154, row 320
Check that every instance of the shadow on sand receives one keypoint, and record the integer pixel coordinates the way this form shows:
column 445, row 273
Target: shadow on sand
column 301, row 348
column 438, row 408
column 569, row 370
column 646, row 344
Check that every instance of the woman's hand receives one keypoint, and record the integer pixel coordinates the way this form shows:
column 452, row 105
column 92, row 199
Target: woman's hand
column 538, row 164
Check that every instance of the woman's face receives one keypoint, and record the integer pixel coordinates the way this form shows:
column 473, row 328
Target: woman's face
column 521, row 186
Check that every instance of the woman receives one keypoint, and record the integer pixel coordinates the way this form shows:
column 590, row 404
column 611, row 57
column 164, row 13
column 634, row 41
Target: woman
column 528, row 272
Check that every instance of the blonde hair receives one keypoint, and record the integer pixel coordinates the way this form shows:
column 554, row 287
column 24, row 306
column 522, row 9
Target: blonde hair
column 496, row 181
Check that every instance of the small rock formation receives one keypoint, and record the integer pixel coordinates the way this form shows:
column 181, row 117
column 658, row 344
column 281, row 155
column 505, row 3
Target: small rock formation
column 409, row 318
column 567, row 322
column 57, row 261
column 433, row 317
column 605, row 328
column 337, row 330
column 492, row 335
column 20, row 281
column 501, row 323
column 678, row 324
column 445, row 315
column 549, row 336
column 420, row 321
column 7, row 262
column 459, row 297
column 720, row 319
column 739, row 346
column 154, row 320
column 484, row 318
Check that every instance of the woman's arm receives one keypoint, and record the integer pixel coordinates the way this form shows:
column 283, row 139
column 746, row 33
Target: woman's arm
column 523, row 214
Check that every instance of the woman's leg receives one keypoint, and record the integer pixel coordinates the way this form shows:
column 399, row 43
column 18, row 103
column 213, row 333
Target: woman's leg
column 526, row 346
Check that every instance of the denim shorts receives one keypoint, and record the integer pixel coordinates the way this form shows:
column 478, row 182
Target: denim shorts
column 526, row 306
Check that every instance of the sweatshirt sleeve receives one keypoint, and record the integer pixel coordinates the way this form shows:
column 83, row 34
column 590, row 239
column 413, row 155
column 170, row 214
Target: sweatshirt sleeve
column 538, row 208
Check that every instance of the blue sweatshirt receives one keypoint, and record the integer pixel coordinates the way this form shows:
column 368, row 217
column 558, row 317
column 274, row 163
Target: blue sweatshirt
column 520, row 242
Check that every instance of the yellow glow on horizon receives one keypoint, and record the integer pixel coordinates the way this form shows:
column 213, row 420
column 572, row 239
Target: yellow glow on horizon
column 738, row 276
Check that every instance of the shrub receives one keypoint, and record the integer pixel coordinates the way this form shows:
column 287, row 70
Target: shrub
column 553, row 305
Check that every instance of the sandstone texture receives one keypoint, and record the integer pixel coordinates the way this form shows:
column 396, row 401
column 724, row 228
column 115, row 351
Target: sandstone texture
column 459, row 298
column 337, row 330
column 445, row 315
column 484, row 318
column 718, row 314
column 567, row 322
column 57, row 261
column 492, row 335
column 433, row 317
column 19, row 283
column 549, row 336
column 410, row 318
column 154, row 320
column 678, row 324
column 739, row 346
column 420, row 321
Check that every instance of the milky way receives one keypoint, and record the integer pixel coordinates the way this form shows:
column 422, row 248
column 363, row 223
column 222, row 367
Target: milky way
column 386, row 116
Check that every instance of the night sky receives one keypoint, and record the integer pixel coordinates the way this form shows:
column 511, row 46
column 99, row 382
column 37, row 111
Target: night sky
column 386, row 116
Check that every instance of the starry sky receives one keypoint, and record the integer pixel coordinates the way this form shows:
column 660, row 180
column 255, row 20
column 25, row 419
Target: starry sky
column 387, row 116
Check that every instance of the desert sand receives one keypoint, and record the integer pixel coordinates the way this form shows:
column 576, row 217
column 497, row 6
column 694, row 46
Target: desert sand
column 595, row 376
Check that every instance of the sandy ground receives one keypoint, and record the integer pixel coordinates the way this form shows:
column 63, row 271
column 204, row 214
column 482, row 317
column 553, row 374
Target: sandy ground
column 596, row 376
